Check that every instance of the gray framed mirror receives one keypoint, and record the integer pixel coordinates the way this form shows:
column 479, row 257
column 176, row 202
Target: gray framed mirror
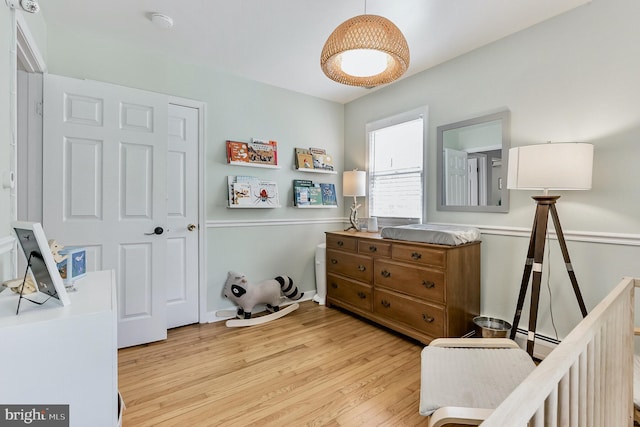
column 472, row 164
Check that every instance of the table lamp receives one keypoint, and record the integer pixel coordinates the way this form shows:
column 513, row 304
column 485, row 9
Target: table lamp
column 354, row 184
column 551, row 166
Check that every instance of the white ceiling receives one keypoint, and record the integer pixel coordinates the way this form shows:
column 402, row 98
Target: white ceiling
column 278, row 42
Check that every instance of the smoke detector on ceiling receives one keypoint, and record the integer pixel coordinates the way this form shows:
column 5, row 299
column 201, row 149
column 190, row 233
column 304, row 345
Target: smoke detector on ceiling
column 30, row 6
column 162, row 21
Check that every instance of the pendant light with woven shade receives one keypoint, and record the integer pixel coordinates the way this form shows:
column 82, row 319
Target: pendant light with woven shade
column 366, row 50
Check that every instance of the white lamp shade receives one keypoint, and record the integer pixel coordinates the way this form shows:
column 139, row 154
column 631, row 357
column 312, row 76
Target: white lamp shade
column 552, row 166
column 354, row 183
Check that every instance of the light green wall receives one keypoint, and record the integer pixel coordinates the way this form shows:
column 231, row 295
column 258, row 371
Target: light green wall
column 572, row 78
column 262, row 243
column 5, row 121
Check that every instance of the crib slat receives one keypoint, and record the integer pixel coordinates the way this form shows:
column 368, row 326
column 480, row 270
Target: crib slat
column 597, row 411
column 574, row 409
column 582, row 396
column 551, row 408
column 591, row 396
column 564, row 391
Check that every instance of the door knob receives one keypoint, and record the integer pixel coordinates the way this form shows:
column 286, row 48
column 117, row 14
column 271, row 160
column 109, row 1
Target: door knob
column 157, row 230
column 191, row 227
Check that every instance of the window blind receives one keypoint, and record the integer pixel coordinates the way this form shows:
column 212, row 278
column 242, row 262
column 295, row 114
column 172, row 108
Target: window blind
column 396, row 194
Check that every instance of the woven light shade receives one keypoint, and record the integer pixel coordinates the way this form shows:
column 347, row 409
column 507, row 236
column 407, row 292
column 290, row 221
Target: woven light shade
column 365, row 32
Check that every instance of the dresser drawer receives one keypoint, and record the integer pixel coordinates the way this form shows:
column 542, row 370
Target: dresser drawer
column 419, row 254
column 422, row 316
column 356, row 294
column 349, row 244
column 374, row 248
column 354, row 266
column 408, row 279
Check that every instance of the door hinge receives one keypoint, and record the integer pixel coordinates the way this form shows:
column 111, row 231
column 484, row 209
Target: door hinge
column 39, row 108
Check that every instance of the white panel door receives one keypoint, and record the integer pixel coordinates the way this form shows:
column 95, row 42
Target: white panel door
column 455, row 177
column 182, row 216
column 472, row 181
column 483, row 185
column 104, row 170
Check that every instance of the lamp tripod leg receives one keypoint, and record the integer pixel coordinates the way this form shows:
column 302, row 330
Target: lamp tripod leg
column 542, row 217
column 567, row 261
column 525, row 282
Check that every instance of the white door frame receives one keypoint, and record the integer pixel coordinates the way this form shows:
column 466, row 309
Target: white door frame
column 24, row 49
column 27, row 51
column 202, row 241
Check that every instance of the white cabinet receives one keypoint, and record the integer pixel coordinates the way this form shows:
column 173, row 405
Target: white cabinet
column 64, row 355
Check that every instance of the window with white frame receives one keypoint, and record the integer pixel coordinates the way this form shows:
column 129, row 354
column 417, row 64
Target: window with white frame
column 396, row 165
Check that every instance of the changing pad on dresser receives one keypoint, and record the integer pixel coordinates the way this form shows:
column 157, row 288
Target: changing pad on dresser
column 429, row 233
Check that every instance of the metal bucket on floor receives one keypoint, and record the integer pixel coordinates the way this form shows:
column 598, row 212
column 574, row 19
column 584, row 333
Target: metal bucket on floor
column 491, row 327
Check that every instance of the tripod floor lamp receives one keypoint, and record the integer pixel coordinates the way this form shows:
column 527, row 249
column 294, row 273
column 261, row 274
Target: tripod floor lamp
column 551, row 166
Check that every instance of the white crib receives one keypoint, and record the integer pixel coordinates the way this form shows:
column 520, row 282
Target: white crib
column 588, row 379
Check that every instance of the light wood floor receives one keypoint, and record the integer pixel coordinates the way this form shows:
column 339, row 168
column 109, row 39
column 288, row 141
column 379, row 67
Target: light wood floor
column 315, row 367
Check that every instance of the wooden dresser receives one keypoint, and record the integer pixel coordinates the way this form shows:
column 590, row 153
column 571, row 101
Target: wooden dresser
column 421, row 290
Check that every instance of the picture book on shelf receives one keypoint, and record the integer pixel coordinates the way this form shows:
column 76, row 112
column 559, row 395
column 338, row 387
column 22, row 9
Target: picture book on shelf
column 237, row 152
column 322, row 161
column 241, row 194
column 304, row 158
column 315, row 196
column 300, row 193
column 263, row 152
column 265, row 194
column 301, row 196
column 329, row 195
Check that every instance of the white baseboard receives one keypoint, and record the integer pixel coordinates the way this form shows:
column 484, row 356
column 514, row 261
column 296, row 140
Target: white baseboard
column 211, row 317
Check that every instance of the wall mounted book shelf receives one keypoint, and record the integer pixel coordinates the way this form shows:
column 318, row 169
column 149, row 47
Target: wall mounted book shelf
column 253, row 165
column 330, row 172
column 249, row 192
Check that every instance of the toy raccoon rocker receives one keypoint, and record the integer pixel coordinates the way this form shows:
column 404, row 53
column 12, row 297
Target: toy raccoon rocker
column 247, row 296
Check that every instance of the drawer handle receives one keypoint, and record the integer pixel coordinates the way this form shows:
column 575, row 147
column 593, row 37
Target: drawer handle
column 385, row 273
column 334, row 285
column 416, row 255
column 334, row 261
column 428, row 284
column 340, row 243
column 362, row 267
column 372, row 248
column 385, row 303
column 362, row 295
column 427, row 318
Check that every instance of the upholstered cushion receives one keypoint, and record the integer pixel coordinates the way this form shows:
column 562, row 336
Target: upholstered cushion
column 470, row 377
column 430, row 233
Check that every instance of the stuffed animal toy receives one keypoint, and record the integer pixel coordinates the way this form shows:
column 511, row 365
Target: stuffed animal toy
column 246, row 296
column 16, row 284
column 55, row 251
